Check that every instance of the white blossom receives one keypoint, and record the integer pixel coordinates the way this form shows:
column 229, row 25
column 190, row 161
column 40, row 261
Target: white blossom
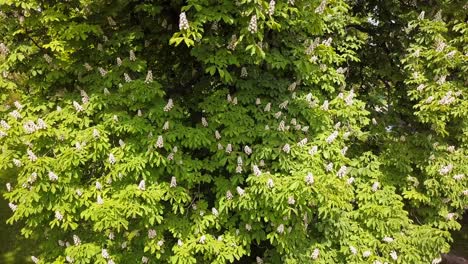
column 309, row 178
column 240, row 191
column 204, row 122
column 132, row 56
column 291, row 200
column 79, row 192
column 106, row 91
column 366, row 254
column 183, row 22
column 253, row 24
column 286, row 148
column 29, row 127
column 234, row 101
column 342, row 172
column 119, row 61
column 8, row 186
column 271, row 7
column 256, row 171
column 313, row 150
column 258, row 101
column 217, row 135
column 332, row 137
column 160, row 142
column 3, row 134
column 436, row 261
column 32, row 157
column 446, row 169
column 111, row 235
column 325, row 105
column 440, row 45
column 229, row 195
column 12, row 206
column 270, row 183
column 104, row 253
column 421, row 15
column 267, row 107
column 77, row 106
column 4, row 125
column 144, row 260
column 160, row 243
column 353, row 250
column 18, row 105
column 321, row 7
column 315, row 254
column 244, row 72
column 329, row 166
column 280, row 229
column 47, row 58
column 233, row 43
column 168, row 106
column 166, row 125
column 142, row 185
column 284, row 105
column 228, row 148
column 350, row 180
column 102, row 71
column 214, row 211
column 76, row 240
column 151, row 233
column 344, row 150
column 34, row 259
column 112, row 159
column 282, row 126
column 127, row 77
column 52, row 176
column 220, row 147
column 247, row 150
column 259, row 260
column 99, row 200
column 58, row 215
column 149, row 77
column 450, row 216
column 123, row 245
column 15, row 114
column 41, row 124
column 375, row 186
column 302, row 143
column 121, row 143
column 458, row 177
column 394, row 255
column 387, row 239
column 111, row 21
column 173, row 182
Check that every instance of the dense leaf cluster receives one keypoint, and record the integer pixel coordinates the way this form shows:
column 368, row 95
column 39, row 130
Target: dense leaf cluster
column 214, row 131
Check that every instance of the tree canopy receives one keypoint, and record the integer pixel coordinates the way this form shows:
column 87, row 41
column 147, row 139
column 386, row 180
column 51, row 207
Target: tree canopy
column 216, row 131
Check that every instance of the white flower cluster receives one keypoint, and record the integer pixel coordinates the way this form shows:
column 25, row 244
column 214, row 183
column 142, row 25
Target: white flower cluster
column 53, row 176
column 160, row 142
column 32, row 157
column 302, row 143
column 47, row 58
column 151, row 233
column 142, row 185
column 132, row 56
column 315, row 253
column 342, row 172
column 4, row 49
column 233, row 43
column 168, row 106
column 271, row 7
column 127, row 78
column 375, row 186
column 253, row 24
column 102, row 71
column 173, row 182
column 321, row 7
column 256, row 171
column 183, row 22
column 447, row 99
column 149, row 77
column 446, row 169
column 309, row 178
column 332, row 137
column 244, row 72
column 286, row 148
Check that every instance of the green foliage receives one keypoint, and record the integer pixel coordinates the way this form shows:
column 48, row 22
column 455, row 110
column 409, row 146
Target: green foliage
column 234, row 131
